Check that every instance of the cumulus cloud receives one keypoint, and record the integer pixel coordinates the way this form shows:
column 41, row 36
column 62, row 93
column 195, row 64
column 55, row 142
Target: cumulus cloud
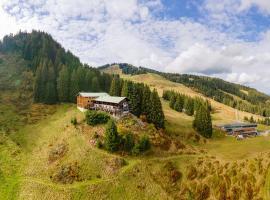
column 242, row 78
column 262, row 5
column 132, row 31
column 200, row 59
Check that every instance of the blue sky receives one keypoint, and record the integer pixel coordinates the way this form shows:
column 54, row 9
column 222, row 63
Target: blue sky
column 229, row 39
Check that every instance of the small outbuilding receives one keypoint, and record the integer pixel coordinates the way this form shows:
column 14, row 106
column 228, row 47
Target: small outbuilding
column 236, row 129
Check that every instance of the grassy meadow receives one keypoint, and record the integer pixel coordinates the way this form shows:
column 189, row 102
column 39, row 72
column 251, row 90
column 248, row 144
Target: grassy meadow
column 46, row 157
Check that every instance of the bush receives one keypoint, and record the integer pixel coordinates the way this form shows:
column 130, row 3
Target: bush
column 58, row 152
column 67, row 174
column 192, row 173
column 99, row 144
column 74, row 121
column 142, row 145
column 96, row 117
column 128, row 142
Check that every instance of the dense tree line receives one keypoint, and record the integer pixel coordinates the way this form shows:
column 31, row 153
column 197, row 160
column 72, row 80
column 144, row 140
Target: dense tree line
column 192, row 106
column 222, row 91
column 142, row 101
column 59, row 75
column 265, row 121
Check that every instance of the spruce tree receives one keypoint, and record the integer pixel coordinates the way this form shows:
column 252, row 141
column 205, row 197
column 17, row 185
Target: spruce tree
column 51, row 93
column 74, row 86
column 81, row 72
column 135, row 99
column 63, row 84
column 115, row 89
column 88, row 81
column 95, row 85
column 112, row 139
column 156, row 115
column 124, row 90
column 37, row 84
column 203, row 122
column 189, row 106
column 179, row 103
column 172, row 100
column 44, row 80
column 146, row 105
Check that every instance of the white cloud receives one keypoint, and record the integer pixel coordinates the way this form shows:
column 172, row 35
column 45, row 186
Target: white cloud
column 103, row 31
column 262, row 5
column 200, row 59
column 242, row 78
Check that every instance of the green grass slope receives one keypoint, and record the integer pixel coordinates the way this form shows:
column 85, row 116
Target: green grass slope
column 43, row 156
column 27, row 170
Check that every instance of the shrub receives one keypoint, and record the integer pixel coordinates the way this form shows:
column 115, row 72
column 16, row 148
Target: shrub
column 96, row 117
column 128, row 142
column 67, row 174
column 192, row 173
column 203, row 192
column 74, row 121
column 99, row 144
column 58, row 152
column 142, row 145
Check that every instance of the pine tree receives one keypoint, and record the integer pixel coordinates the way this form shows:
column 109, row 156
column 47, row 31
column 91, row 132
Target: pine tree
column 37, row 84
column 156, row 115
column 115, row 89
column 135, row 100
column 88, row 81
column 179, row 103
column 95, row 84
column 81, row 72
column 172, row 100
column 146, row 105
column 63, row 84
column 51, row 94
column 74, row 86
column 125, row 89
column 203, row 122
column 189, row 106
column 112, row 139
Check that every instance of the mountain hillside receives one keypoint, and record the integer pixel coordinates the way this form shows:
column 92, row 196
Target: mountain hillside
column 34, row 68
column 49, row 150
column 234, row 95
column 53, row 67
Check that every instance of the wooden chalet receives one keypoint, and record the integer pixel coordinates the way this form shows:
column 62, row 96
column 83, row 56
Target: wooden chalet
column 116, row 106
column 244, row 129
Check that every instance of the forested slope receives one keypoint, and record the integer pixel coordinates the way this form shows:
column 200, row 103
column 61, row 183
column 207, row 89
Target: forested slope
column 53, row 67
column 234, row 95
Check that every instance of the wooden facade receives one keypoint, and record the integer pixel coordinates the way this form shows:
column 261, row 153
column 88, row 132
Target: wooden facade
column 85, row 102
column 116, row 109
